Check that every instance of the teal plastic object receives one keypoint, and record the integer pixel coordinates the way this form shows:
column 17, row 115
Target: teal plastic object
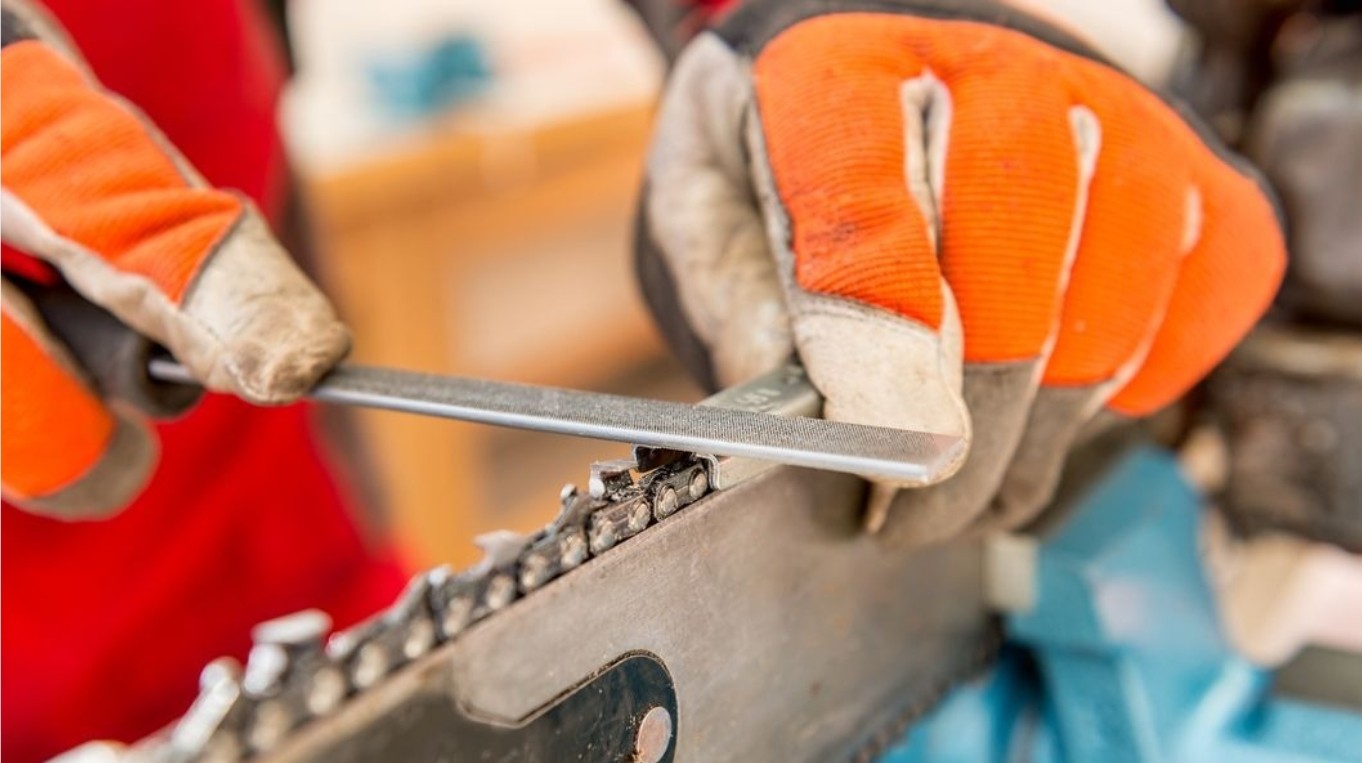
column 415, row 83
column 1122, row 657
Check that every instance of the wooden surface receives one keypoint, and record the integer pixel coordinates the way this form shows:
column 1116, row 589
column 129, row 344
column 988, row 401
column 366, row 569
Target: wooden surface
column 503, row 256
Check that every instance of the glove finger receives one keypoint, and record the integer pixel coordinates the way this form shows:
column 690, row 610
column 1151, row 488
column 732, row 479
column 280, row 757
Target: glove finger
column 1084, row 312
column 91, row 187
column 913, row 518
column 852, row 210
column 1144, row 211
column 1007, row 167
column 1225, row 284
column 856, row 203
column 702, row 242
column 1143, row 239
column 65, row 453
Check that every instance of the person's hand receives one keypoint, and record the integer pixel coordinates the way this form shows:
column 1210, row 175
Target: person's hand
column 960, row 219
column 94, row 191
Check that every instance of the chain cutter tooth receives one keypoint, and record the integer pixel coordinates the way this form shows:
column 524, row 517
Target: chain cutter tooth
column 562, row 545
column 675, row 486
column 282, row 676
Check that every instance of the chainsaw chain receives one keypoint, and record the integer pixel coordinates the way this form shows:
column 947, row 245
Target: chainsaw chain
column 295, row 674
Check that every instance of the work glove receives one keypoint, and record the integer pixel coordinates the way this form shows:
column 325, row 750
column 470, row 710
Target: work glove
column 93, row 190
column 961, row 220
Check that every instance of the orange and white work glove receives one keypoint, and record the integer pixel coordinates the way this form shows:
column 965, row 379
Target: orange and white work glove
column 94, row 190
column 960, row 219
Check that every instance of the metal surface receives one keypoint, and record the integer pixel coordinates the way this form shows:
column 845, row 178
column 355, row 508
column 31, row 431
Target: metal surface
column 654, row 737
column 783, row 392
column 788, row 634
column 412, row 719
column 903, row 456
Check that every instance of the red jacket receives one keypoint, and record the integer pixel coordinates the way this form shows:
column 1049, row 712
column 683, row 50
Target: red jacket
column 105, row 625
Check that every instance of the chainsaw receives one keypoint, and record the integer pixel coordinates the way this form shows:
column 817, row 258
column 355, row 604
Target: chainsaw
column 712, row 598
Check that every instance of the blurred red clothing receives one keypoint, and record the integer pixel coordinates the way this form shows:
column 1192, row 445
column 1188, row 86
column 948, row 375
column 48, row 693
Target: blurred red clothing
column 105, row 625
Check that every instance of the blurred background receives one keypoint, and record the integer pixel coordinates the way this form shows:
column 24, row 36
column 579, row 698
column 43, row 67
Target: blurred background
column 470, row 170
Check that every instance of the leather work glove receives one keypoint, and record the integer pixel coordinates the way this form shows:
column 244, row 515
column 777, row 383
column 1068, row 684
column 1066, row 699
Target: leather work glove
column 961, row 220
column 93, row 190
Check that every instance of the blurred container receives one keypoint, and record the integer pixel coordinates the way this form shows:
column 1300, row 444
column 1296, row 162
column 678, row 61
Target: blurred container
column 424, row 81
column 469, row 65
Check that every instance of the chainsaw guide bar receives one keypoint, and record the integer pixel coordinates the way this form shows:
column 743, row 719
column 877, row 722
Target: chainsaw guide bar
column 691, row 607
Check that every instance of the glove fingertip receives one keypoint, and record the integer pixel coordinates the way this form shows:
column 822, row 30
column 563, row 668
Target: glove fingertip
column 276, row 370
column 879, row 369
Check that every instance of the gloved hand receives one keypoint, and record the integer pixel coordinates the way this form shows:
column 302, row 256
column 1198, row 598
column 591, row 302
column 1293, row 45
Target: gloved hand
column 92, row 189
column 961, row 219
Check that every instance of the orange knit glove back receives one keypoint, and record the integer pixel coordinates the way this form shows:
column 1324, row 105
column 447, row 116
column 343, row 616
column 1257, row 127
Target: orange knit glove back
column 961, row 220
column 94, row 190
